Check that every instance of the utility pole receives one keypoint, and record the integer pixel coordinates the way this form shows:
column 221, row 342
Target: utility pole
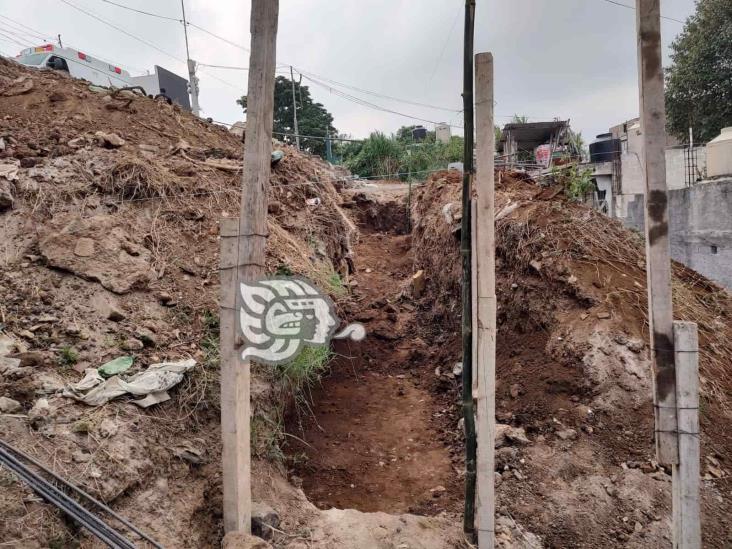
column 658, row 261
column 484, row 337
column 60, row 44
column 243, row 243
column 192, row 78
column 674, row 345
column 465, row 250
column 294, row 109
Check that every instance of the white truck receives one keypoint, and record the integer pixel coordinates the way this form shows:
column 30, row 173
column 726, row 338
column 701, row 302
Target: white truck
column 81, row 65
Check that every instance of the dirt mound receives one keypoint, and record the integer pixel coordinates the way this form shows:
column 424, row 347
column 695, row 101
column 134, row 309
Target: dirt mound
column 572, row 367
column 109, row 247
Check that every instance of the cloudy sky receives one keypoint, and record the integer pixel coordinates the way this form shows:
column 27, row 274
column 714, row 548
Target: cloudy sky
column 572, row 59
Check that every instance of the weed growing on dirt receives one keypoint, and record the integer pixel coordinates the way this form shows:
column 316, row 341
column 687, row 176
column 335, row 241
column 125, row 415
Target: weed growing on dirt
column 305, row 369
column 577, row 182
column 68, row 356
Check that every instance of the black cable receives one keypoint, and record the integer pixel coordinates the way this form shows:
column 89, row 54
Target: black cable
column 89, row 497
column 54, row 496
column 633, row 8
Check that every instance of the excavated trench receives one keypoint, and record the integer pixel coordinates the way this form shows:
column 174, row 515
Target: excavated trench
column 374, row 437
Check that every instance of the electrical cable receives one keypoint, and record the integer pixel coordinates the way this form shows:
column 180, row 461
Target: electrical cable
column 614, row 2
column 368, row 104
column 143, row 12
column 135, row 37
column 78, row 490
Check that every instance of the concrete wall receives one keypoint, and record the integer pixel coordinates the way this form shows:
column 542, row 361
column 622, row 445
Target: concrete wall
column 700, row 226
column 632, row 172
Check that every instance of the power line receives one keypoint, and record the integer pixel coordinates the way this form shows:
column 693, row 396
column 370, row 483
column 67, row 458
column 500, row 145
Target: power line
column 368, row 104
column 142, row 40
column 42, row 35
column 444, row 47
column 376, row 94
column 244, row 48
column 614, row 2
column 21, row 44
column 142, row 12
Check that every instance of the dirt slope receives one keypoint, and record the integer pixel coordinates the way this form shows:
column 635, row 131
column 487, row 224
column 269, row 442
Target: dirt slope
column 573, row 368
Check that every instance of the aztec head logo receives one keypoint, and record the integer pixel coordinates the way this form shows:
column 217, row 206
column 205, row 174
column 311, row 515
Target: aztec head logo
column 280, row 315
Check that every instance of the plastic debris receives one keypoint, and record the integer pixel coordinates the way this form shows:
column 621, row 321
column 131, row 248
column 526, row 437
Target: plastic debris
column 157, row 379
column 276, row 157
column 117, row 366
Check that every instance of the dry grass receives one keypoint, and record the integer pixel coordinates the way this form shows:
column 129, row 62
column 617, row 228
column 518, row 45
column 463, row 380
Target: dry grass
column 130, row 178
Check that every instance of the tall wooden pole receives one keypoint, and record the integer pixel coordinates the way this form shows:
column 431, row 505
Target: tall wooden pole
column 243, row 244
column 485, row 336
column 465, row 245
column 294, row 110
column 658, row 263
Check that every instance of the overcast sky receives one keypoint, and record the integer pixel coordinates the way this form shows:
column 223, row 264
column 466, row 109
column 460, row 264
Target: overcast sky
column 572, row 59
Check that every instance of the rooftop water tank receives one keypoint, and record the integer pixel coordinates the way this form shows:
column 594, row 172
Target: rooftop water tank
column 605, row 148
column 719, row 154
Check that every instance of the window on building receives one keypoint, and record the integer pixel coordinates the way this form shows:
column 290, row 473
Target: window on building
column 715, row 250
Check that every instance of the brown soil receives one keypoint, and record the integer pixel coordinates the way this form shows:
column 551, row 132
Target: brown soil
column 371, row 439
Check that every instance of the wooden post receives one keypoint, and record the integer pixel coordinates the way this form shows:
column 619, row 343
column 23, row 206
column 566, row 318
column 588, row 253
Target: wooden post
column 465, row 249
column 658, row 263
column 486, row 298
column 243, row 244
column 686, row 518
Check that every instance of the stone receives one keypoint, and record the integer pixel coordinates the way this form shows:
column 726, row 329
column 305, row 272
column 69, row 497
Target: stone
column 635, row 345
column 40, row 413
column 419, row 283
column 132, row 344
column 515, row 390
column 9, row 406
column 603, row 315
column 108, row 428
column 567, row 434
column 264, row 519
column 6, row 195
column 457, row 370
column 146, row 336
column 97, row 248
column 77, row 142
column 506, row 434
column 80, row 456
column 115, row 313
column 274, row 208
column 240, row 540
column 109, row 140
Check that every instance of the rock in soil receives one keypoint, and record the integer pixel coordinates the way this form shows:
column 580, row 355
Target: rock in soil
column 240, row 540
column 264, row 519
column 9, row 406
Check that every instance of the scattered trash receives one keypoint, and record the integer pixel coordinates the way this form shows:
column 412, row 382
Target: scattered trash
column 313, row 201
column 117, row 366
column 157, row 379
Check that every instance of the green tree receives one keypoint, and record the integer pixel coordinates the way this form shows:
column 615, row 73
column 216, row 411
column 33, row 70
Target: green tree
column 699, row 81
column 313, row 119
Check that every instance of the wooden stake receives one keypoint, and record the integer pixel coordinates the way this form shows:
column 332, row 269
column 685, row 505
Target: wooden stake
column 486, row 293
column 687, row 523
column 658, row 263
column 243, row 244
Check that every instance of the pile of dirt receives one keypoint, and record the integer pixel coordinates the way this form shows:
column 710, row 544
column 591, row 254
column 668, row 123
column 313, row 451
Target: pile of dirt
column 109, row 212
column 573, row 371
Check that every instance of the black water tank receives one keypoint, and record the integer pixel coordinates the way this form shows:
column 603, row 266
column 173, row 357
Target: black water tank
column 419, row 133
column 605, row 148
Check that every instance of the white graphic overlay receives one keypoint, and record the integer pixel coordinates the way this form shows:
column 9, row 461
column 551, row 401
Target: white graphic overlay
column 281, row 315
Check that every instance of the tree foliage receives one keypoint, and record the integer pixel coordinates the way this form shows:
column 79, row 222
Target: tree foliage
column 313, row 119
column 699, row 81
column 382, row 155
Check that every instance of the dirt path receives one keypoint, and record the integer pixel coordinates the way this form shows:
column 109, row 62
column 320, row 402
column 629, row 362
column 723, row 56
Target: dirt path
column 373, row 437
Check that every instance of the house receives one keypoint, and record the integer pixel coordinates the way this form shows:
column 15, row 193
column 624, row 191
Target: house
column 535, row 144
column 700, row 208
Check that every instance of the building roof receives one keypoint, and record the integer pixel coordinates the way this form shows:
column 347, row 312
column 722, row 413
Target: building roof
column 532, row 134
